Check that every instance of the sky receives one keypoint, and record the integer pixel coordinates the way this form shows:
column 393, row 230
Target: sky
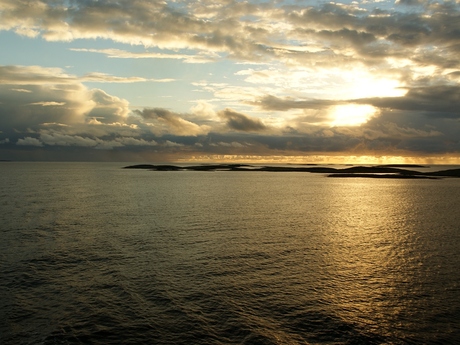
column 242, row 81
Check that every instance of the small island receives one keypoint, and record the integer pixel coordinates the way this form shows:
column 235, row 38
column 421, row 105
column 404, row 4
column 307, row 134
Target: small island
column 380, row 171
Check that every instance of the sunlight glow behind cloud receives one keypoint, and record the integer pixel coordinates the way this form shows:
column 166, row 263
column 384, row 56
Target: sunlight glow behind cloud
column 351, row 114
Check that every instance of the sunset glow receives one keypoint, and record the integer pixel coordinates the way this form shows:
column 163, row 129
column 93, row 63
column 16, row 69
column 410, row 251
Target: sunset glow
column 173, row 80
column 351, row 114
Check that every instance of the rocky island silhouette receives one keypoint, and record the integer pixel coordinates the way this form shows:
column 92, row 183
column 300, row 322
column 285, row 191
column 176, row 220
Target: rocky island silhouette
column 397, row 171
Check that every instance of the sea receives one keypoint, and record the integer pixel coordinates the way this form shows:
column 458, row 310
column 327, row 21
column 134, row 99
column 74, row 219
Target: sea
column 92, row 253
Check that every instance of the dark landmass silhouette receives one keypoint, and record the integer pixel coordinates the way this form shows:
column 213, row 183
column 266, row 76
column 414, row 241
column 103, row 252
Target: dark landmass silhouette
column 445, row 173
column 393, row 176
column 143, row 166
column 381, row 171
column 376, row 170
column 403, row 166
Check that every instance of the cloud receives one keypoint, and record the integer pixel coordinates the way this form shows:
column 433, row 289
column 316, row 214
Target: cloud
column 53, row 138
column 411, row 2
column 59, row 139
column 37, row 75
column 106, row 78
column 107, row 108
column 48, row 104
column 324, row 34
column 380, row 34
column 270, row 102
column 59, row 110
column 29, row 141
column 166, row 121
column 401, row 59
column 64, row 113
column 48, row 95
column 232, row 144
column 241, row 122
column 440, row 101
column 202, row 57
column 203, row 109
column 21, row 90
column 169, row 143
column 33, row 75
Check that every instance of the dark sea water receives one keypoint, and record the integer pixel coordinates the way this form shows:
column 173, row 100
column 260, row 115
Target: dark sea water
column 95, row 254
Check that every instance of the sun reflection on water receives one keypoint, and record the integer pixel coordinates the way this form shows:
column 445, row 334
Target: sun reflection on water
column 369, row 258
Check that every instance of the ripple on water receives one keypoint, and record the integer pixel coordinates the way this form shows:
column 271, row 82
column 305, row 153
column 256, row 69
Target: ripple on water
column 114, row 256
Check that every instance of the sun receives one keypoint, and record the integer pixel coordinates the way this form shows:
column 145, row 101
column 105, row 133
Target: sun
column 351, row 114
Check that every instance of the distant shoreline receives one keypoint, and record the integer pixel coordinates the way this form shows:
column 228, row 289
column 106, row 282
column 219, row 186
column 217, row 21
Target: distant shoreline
column 381, row 171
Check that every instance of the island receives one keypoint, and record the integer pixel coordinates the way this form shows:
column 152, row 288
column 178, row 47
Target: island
column 379, row 171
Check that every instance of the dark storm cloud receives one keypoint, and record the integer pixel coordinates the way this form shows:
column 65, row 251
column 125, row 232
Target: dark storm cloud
column 241, row 122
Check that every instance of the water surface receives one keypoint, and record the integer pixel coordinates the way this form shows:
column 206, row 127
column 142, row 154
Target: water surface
column 95, row 254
